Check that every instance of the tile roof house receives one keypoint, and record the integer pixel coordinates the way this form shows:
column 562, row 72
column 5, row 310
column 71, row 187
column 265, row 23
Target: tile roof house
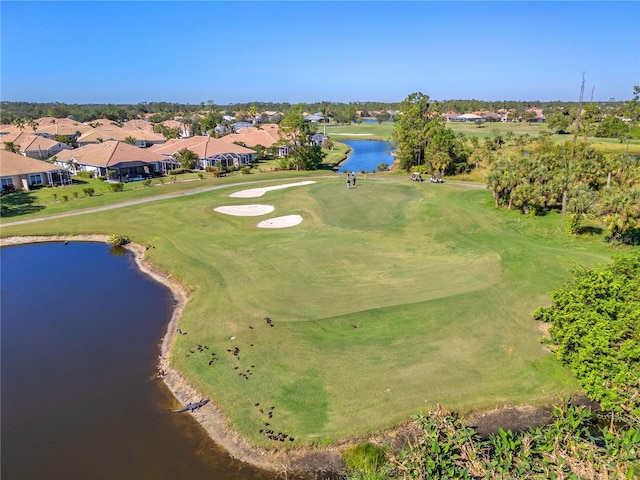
column 266, row 135
column 213, row 152
column 128, row 162
column 35, row 146
column 112, row 132
column 18, row 172
column 52, row 127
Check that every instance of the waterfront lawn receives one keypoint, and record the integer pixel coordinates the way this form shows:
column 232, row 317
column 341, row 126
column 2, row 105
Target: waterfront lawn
column 387, row 300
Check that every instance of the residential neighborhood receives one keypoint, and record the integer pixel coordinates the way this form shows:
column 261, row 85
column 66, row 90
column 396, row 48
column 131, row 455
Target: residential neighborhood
column 144, row 147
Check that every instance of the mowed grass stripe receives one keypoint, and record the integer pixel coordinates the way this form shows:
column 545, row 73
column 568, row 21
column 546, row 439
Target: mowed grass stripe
column 387, row 299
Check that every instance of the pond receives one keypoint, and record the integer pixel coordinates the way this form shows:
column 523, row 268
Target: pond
column 366, row 155
column 81, row 332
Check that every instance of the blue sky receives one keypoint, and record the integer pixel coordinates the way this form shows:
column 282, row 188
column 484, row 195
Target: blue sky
column 298, row 51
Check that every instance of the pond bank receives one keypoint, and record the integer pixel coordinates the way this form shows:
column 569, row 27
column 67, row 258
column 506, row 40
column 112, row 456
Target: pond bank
column 321, row 462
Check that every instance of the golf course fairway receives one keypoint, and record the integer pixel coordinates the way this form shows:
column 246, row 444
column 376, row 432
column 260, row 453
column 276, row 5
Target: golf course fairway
column 385, row 300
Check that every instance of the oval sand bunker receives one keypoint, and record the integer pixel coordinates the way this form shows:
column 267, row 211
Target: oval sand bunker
column 281, row 222
column 245, row 210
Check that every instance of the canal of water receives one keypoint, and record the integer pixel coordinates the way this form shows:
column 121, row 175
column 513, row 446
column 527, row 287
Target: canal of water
column 81, row 332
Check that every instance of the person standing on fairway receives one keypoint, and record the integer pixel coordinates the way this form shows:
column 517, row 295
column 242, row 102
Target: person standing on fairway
column 353, row 178
column 348, row 181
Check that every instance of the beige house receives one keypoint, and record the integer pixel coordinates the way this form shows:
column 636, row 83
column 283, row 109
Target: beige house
column 18, row 172
column 35, row 146
column 213, row 152
column 128, row 163
column 55, row 127
column 266, row 135
column 103, row 133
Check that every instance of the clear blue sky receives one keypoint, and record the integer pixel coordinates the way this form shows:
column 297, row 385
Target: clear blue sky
column 297, row 51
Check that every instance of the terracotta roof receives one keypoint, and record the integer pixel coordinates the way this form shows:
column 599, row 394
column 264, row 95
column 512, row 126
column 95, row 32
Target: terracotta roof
column 109, row 153
column 266, row 135
column 137, row 124
column 61, row 126
column 29, row 142
column 15, row 164
column 204, row 147
column 113, row 132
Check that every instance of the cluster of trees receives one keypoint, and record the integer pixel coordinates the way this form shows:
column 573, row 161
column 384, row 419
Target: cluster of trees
column 595, row 330
column 423, row 143
column 573, row 178
column 296, row 134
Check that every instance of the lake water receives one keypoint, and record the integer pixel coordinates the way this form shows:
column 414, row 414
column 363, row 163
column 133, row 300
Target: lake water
column 81, row 332
column 366, row 155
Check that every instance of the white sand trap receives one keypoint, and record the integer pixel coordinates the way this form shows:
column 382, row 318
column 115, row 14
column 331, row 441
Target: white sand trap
column 246, row 210
column 258, row 192
column 281, row 222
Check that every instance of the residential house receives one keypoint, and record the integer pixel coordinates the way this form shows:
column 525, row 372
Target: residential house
column 35, row 146
column 18, row 172
column 265, row 135
column 539, row 115
column 53, row 128
column 468, row 117
column 102, row 133
column 126, row 161
column 212, row 152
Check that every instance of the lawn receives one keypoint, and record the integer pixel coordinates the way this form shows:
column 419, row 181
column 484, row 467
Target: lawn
column 386, row 300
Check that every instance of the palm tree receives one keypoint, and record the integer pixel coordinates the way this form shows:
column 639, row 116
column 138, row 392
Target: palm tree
column 580, row 205
column 130, row 140
column 620, row 210
column 11, row 147
column 19, row 122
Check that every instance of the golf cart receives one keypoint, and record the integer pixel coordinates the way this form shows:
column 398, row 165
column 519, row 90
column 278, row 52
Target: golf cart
column 416, row 177
column 436, row 179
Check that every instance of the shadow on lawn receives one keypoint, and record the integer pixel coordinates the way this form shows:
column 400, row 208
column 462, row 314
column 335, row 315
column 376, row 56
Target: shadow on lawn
column 19, row 203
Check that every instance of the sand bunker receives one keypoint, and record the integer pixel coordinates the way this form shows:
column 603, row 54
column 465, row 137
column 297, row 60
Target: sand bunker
column 281, row 222
column 258, row 192
column 246, row 210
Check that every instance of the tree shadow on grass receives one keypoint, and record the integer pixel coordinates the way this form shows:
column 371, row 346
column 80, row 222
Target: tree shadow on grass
column 19, row 203
column 588, row 230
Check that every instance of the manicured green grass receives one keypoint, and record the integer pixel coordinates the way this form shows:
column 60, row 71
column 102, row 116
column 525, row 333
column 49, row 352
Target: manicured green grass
column 360, row 131
column 387, row 299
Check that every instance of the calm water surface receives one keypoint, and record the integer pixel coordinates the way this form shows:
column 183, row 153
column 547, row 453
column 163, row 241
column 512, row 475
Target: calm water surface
column 366, row 155
column 81, row 332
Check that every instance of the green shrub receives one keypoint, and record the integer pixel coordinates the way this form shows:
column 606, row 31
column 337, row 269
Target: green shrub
column 65, row 198
column 75, row 194
column 245, row 170
column 201, row 176
column 101, row 178
column 116, row 187
column 55, row 196
column 118, row 240
column 84, row 174
column 161, row 180
column 88, row 192
column 146, row 183
column 177, row 171
column 364, row 458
